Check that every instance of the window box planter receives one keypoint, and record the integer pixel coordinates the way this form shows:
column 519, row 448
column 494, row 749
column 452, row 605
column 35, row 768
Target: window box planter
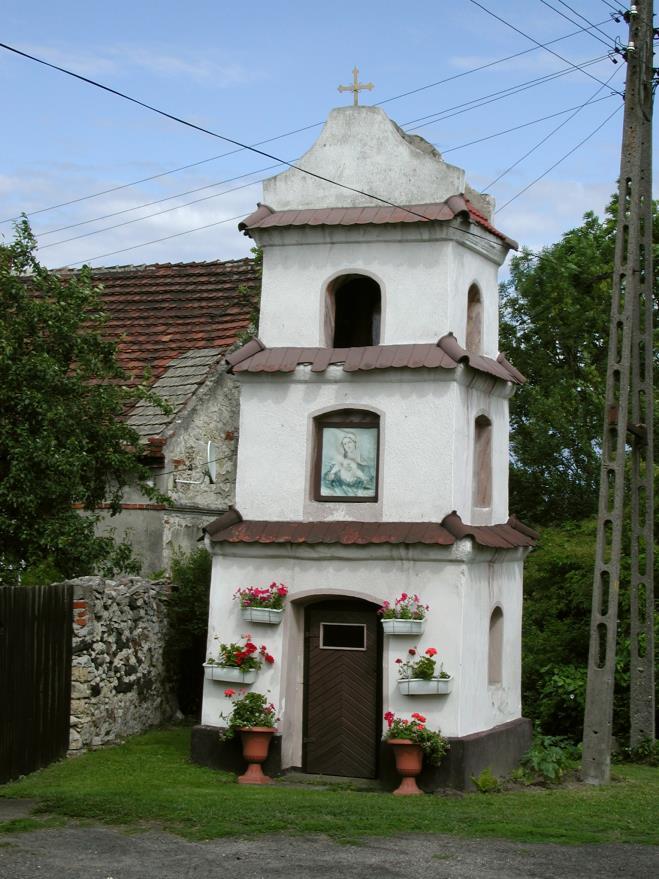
column 267, row 615
column 229, row 673
column 420, row 687
column 403, row 627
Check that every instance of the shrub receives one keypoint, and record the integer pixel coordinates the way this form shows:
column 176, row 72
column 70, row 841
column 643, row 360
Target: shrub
column 487, row 782
column 646, row 752
column 549, row 758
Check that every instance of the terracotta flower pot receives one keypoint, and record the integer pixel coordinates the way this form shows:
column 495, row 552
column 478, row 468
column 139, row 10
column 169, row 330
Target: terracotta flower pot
column 256, row 743
column 409, row 760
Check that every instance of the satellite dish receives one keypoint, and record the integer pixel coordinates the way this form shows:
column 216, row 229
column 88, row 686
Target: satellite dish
column 212, row 453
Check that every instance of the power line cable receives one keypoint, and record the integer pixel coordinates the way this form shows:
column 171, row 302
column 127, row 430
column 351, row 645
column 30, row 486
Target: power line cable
column 65, row 204
column 562, row 159
column 289, row 133
column 227, row 139
column 533, row 40
column 252, row 182
column 549, row 135
column 609, row 43
column 487, row 65
column 149, row 204
column 611, row 6
column 205, row 130
column 587, row 20
column 510, row 91
column 156, row 240
column 149, row 216
column 461, row 146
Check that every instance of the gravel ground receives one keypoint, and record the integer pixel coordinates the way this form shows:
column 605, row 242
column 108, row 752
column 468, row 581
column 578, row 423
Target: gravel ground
column 77, row 852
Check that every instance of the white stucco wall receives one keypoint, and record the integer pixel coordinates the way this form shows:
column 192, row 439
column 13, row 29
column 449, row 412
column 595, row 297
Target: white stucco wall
column 424, row 277
column 461, row 585
column 426, row 439
column 470, row 403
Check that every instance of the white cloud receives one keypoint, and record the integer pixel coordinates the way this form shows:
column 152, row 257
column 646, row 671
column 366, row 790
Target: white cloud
column 220, row 241
column 541, row 216
column 220, row 73
column 91, row 63
column 120, row 59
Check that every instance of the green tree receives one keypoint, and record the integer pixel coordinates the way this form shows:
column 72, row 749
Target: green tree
column 555, row 327
column 63, row 441
column 187, row 613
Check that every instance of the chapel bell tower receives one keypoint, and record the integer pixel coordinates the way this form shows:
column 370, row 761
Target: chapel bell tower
column 373, row 456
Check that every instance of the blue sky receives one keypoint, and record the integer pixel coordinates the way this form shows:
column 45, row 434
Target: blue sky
column 259, row 70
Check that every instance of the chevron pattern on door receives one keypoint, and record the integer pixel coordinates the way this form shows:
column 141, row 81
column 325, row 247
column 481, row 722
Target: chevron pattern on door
column 342, row 694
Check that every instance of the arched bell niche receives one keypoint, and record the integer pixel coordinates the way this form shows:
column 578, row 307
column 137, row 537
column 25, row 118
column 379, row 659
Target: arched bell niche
column 474, row 330
column 353, row 308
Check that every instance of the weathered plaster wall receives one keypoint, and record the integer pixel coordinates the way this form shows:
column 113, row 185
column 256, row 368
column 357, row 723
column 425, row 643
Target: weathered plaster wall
column 139, row 524
column 212, row 416
column 426, row 433
column 461, row 584
column 363, row 148
column 119, row 684
column 156, row 531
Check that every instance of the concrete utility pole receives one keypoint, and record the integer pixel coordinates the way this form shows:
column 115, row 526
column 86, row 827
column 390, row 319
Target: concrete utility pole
column 629, row 375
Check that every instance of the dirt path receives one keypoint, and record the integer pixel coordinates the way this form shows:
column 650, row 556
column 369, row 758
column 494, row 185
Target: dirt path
column 75, row 852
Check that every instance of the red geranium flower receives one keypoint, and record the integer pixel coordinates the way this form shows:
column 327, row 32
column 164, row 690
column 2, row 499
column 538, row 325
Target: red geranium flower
column 431, row 651
column 269, row 659
column 229, row 692
column 412, row 651
column 419, row 717
column 389, row 717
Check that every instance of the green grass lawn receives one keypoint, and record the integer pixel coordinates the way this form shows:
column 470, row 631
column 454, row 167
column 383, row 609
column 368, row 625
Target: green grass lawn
column 149, row 781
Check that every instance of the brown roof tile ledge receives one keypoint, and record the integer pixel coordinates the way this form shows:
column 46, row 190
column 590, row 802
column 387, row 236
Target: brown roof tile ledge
column 445, row 353
column 230, row 527
column 265, row 217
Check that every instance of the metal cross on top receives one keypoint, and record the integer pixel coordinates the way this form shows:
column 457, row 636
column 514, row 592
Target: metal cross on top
column 356, row 86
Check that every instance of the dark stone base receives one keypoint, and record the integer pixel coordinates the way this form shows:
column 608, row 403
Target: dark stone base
column 498, row 749
column 208, row 749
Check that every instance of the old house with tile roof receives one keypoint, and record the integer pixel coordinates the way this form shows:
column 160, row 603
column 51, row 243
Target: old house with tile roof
column 174, row 323
column 373, row 463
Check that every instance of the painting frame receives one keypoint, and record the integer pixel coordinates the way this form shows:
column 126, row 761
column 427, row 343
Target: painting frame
column 359, row 480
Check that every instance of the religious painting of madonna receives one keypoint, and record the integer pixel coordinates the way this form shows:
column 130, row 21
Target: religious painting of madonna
column 348, row 462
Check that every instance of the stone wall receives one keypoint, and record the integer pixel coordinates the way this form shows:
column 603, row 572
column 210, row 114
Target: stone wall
column 119, row 684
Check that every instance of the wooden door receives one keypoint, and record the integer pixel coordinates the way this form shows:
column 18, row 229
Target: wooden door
column 343, row 685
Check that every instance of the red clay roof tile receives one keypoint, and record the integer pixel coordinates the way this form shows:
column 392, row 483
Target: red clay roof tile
column 158, row 312
column 445, row 354
column 232, row 528
column 456, row 205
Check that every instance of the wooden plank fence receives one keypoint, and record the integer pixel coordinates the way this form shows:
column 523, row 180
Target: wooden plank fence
column 35, row 676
